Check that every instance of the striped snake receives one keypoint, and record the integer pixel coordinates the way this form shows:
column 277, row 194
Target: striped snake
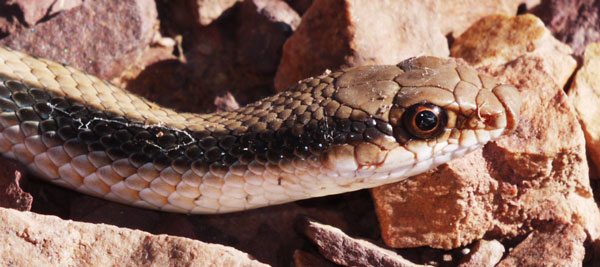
column 341, row 131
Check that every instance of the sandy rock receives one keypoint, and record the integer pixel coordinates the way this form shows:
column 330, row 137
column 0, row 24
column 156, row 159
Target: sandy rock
column 339, row 33
column 554, row 245
column 11, row 194
column 37, row 240
column 574, row 22
column 498, row 39
column 539, row 173
column 585, row 96
column 350, row 33
column 107, row 48
column 484, row 254
column 456, row 16
column 206, row 11
column 344, row 250
column 33, row 11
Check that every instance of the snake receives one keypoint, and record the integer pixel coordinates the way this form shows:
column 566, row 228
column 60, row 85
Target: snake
column 340, row 131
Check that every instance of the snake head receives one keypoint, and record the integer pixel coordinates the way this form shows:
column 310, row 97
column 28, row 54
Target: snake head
column 428, row 112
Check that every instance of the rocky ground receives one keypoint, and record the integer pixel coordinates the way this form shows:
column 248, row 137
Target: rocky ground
column 524, row 200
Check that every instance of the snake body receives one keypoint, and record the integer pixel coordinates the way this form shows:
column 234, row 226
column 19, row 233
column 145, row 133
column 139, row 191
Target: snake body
column 337, row 132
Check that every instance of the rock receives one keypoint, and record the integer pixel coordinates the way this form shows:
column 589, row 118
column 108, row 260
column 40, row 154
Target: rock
column 109, row 47
column 537, row 174
column 348, row 33
column 39, row 240
column 576, row 23
column 206, row 11
column 554, row 245
column 585, row 96
column 300, row 5
column 305, row 259
column 11, row 194
column 498, row 39
column 34, row 11
column 484, row 254
column 341, row 249
column 340, row 33
column 9, row 19
column 267, row 24
column 456, row 16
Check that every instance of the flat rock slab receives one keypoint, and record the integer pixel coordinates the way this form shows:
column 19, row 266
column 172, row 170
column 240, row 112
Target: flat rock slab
column 30, row 239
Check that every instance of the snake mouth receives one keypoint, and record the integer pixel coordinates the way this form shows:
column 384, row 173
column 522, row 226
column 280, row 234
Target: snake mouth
column 508, row 95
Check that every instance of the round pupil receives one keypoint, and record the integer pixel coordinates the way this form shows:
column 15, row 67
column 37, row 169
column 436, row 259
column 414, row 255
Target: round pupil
column 426, row 120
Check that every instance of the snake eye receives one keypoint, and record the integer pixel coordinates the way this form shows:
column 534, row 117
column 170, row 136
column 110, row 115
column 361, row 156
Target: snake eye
column 425, row 120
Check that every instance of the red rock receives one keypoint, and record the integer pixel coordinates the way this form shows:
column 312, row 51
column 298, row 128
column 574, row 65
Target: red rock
column 340, row 33
column 39, row 240
column 576, row 23
column 498, row 39
column 108, row 48
column 553, row 245
column 539, row 173
column 484, row 253
column 344, row 250
column 585, row 96
column 206, row 11
column 34, row 10
column 267, row 25
column 11, row 194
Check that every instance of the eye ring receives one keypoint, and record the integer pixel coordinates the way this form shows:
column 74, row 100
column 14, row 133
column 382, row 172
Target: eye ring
column 425, row 120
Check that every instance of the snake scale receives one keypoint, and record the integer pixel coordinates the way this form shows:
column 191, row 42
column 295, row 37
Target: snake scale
column 337, row 132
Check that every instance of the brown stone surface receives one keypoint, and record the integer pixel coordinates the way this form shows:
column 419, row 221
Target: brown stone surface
column 498, row 39
column 574, row 22
column 347, row 33
column 340, row 33
column 585, row 97
column 344, row 250
column 35, row 10
column 553, row 245
column 110, row 35
column 485, row 253
column 206, row 11
column 37, row 240
column 11, row 194
column 507, row 187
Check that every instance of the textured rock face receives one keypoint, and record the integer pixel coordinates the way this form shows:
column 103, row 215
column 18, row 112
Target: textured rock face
column 499, row 39
column 484, row 253
column 341, row 249
column 585, row 96
column 215, row 52
column 555, row 245
column 508, row 186
column 116, row 44
column 36, row 240
column 341, row 33
column 573, row 22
